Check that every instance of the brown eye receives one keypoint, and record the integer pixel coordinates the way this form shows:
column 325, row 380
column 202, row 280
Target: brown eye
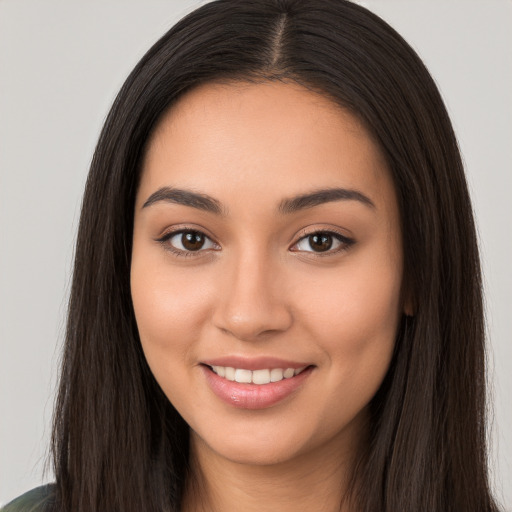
column 323, row 242
column 320, row 242
column 185, row 242
column 192, row 240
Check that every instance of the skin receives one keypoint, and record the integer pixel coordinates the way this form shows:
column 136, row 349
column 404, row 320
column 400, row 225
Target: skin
column 259, row 288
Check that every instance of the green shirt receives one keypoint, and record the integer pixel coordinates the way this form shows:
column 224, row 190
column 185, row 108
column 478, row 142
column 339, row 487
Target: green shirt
column 31, row 501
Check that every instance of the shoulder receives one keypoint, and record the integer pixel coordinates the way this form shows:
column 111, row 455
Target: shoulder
column 31, row 501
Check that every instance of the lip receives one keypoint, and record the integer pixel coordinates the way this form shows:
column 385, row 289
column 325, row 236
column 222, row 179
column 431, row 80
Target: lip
column 253, row 396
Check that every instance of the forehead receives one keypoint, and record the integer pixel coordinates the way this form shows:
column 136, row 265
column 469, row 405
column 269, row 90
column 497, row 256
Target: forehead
column 269, row 139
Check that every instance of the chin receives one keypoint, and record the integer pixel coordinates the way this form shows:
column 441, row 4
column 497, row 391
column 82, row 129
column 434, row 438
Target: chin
column 257, row 451
column 275, row 442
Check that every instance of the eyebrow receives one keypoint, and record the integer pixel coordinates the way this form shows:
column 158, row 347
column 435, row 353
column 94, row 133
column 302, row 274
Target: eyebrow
column 286, row 206
column 322, row 196
column 186, row 198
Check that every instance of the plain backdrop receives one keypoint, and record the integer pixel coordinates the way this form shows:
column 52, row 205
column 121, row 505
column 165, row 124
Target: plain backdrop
column 61, row 64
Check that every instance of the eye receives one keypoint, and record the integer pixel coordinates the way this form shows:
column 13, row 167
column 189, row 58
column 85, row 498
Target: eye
column 185, row 242
column 323, row 242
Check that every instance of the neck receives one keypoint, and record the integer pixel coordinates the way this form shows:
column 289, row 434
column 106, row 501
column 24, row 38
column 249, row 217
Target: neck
column 312, row 481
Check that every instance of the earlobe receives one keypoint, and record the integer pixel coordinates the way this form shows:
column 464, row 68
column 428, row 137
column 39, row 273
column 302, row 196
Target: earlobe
column 408, row 303
column 408, row 309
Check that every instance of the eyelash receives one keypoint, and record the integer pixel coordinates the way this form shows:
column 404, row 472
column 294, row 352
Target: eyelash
column 345, row 242
column 178, row 252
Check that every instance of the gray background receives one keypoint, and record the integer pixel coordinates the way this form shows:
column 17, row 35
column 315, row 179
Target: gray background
column 61, row 64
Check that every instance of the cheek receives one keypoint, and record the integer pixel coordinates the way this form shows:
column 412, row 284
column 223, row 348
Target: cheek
column 353, row 315
column 362, row 301
column 169, row 310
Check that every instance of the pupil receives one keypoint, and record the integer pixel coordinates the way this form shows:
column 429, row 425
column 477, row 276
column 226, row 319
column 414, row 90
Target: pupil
column 192, row 241
column 320, row 242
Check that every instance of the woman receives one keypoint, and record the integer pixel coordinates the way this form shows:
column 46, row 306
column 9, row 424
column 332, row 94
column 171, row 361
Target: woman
column 276, row 300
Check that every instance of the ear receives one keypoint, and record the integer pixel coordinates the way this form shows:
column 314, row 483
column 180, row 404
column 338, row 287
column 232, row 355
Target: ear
column 408, row 303
column 409, row 308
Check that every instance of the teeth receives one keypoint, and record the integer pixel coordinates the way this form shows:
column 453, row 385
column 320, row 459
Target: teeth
column 243, row 376
column 276, row 375
column 260, row 376
column 289, row 372
column 257, row 376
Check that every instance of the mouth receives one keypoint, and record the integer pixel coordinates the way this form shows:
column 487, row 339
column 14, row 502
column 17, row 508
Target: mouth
column 258, row 388
column 258, row 377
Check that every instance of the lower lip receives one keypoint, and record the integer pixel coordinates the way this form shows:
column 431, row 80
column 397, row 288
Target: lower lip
column 254, row 396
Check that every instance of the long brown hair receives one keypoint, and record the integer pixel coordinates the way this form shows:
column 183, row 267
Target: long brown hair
column 118, row 443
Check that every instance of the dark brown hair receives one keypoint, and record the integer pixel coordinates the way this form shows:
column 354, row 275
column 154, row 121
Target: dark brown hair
column 118, row 443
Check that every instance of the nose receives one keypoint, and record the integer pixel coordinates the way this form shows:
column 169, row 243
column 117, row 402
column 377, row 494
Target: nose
column 252, row 303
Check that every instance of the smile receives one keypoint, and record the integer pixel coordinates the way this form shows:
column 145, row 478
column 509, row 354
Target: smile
column 263, row 386
column 259, row 377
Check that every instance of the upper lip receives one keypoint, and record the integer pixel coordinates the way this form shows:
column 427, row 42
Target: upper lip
column 254, row 363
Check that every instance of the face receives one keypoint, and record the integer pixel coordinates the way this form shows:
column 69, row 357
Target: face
column 266, row 270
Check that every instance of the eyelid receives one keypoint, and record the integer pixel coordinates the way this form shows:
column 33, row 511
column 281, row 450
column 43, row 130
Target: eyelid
column 346, row 242
column 176, row 230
